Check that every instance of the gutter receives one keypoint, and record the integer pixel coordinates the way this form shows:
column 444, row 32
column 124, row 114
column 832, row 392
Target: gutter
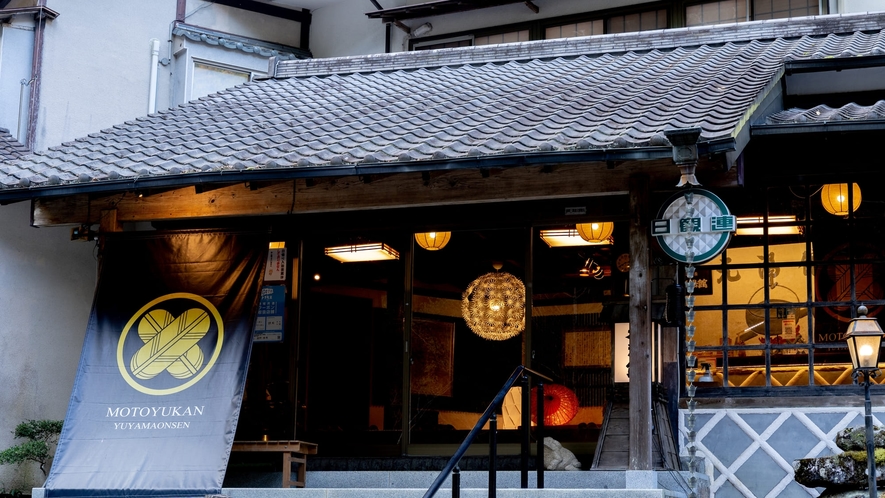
column 502, row 161
column 822, row 127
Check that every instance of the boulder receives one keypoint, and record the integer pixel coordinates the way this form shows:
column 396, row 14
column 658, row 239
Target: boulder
column 855, row 438
column 846, row 470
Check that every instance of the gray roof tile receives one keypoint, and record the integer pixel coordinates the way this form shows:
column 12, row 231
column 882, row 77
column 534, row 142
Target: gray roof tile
column 10, row 148
column 612, row 91
column 823, row 114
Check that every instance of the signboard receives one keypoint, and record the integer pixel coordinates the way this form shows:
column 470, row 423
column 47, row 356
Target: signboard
column 271, row 307
column 694, row 221
column 275, row 268
column 157, row 395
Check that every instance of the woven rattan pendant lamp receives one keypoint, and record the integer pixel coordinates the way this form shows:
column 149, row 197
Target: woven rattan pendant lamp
column 493, row 305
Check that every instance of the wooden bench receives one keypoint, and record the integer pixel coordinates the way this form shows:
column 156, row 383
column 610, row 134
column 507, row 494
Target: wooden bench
column 293, row 451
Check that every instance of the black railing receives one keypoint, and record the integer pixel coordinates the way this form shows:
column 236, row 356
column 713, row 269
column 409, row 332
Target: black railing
column 521, row 374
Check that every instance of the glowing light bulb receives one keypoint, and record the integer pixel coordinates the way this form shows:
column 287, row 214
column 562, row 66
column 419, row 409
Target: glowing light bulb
column 866, row 350
column 432, row 235
column 316, row 277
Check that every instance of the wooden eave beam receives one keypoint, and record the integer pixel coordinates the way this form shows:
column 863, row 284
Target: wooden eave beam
column 302, row 16
column 413, row 189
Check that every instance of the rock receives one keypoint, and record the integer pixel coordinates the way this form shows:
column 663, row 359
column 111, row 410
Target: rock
column 855, row 438
column 850, row 494
column 558, row 458
column 846, row 470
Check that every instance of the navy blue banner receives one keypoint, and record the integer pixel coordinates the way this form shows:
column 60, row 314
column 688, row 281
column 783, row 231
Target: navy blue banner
column 157, row 394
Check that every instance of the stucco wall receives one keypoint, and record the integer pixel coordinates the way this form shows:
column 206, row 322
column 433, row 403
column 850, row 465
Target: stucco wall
column 342, row 28
column 16, row 51
column 243, row 23
column 96, row 65
column 46, row 287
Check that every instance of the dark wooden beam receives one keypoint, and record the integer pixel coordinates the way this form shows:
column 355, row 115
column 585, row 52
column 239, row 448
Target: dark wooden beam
column 640, row 441
column 386, row 191
column 302, row 16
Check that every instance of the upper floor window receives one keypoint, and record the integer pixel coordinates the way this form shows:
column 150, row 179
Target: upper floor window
column 730, row 11
column 639, row 21
column 778, row 9
column 509, row 37
column 586, row 28
column 210, row 78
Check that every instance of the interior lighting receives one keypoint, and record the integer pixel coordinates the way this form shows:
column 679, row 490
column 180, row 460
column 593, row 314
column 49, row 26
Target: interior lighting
column 493, row 306
column 568, row 237
column 834, row 198
column 352, row 253
column 777, row 225
column 433, row 241
column 597, row 232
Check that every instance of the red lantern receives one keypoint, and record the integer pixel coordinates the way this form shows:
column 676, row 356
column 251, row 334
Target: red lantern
column 560, row 404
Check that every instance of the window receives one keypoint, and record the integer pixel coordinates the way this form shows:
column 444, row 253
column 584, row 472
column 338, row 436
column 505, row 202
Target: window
column 640, row 21
column 777, row 9
column 772, row 310
column 509, row 37
column 209, row 78
column 726, row 11
column 730, row 11
column 586, row 28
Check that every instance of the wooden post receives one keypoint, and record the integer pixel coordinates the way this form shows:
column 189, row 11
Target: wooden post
column 640, row 449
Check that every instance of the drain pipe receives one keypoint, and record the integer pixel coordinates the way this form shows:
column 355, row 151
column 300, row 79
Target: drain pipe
column 21, row 107
column 152, row 92
column 36, row 70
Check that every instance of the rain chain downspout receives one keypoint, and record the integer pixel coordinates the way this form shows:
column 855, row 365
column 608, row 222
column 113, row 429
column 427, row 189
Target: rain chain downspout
column 690, row 358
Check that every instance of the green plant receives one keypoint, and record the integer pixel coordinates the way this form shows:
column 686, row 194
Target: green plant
column 40, row 435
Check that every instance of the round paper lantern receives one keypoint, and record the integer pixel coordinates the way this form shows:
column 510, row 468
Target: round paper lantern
column 493, row 306
column 596, row 232
column 834, row 198
column 433, row 241
column 560, row 404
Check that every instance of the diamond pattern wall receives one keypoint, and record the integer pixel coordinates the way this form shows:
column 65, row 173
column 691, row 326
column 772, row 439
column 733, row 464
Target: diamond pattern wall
column 749, row 452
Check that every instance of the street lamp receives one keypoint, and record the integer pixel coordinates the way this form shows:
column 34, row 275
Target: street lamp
column 864, row 338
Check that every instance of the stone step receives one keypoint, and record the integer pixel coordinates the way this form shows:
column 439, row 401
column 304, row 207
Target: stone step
column 444, row 493
column 474, row 484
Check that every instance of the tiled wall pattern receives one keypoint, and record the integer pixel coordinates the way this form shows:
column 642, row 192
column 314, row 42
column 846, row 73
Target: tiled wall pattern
column 749, row 452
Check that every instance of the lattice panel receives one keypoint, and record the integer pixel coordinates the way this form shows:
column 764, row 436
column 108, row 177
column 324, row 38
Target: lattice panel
column 750, row 452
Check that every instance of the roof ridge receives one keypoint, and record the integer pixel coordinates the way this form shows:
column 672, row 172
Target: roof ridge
column 588, row 45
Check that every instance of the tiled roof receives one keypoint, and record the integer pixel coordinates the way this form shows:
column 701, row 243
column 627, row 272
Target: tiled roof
column 603, row 97
column 826, row 114
column 10, row 148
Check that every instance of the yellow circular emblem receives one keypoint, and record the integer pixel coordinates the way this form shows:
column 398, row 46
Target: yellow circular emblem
column 169, row 343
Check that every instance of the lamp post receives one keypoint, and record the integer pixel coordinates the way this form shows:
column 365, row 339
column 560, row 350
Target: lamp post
column 864, row 339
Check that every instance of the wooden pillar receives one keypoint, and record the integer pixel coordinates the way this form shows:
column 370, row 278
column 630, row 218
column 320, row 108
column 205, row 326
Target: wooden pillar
column 640, row 370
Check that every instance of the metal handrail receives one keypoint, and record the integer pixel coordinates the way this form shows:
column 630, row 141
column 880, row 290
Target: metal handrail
column 490, row 413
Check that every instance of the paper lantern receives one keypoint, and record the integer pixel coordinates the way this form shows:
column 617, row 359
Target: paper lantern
column 834, row 198
column 433, row 241
column 596, row 232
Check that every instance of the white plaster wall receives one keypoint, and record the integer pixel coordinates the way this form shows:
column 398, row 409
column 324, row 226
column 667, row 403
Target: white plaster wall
column 96, row 65
column 847, row 6
column 46, row 288
column 342, row 28
column 243, row 23
column 16, row 52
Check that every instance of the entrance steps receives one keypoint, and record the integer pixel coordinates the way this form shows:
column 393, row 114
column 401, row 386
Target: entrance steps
column 474, row 484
